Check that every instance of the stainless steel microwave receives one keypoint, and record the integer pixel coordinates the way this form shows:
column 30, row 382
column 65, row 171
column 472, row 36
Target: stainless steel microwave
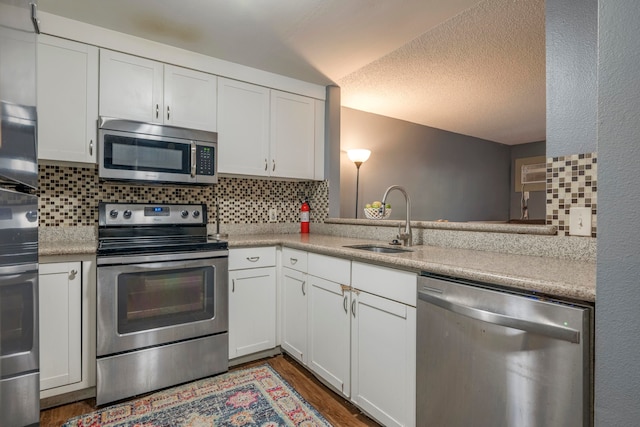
column 136, row 151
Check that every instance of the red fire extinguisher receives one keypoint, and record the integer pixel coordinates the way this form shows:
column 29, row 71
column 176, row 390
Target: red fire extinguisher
column 304, row 217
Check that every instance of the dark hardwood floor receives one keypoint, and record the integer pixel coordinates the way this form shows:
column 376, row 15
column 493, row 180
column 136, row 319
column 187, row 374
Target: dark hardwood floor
column 336, row 409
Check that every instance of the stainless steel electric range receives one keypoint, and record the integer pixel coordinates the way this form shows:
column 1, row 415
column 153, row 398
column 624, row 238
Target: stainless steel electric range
column 162, row 307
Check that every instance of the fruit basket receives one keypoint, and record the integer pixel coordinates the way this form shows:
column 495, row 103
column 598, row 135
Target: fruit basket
column 376, row 213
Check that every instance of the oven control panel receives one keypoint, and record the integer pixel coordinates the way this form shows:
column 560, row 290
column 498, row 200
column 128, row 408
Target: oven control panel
column 133, row 214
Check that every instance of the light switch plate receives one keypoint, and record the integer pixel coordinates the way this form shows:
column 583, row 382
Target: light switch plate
column 580, row 221
column 273, row 215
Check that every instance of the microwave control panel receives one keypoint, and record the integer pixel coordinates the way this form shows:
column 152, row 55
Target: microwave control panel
column 205, row 160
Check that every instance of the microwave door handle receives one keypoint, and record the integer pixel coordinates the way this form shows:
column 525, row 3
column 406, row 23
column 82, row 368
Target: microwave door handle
column 193, row 159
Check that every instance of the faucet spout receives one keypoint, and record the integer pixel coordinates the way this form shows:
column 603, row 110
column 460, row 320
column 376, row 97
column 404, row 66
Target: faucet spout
column 407, row 235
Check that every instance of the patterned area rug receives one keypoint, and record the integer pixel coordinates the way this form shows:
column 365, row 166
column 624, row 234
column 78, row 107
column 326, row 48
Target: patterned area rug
column 250, row 397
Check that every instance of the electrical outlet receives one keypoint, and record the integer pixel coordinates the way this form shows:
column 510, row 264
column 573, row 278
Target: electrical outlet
column 273, row 215
column 580, row 221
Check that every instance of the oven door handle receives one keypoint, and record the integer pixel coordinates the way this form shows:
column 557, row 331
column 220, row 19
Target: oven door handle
column 139, row 259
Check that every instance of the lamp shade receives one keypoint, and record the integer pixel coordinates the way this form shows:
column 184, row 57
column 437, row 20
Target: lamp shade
column 358, row 155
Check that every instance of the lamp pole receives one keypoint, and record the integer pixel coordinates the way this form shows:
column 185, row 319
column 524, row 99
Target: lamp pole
column 358, row 164
column 358, row 156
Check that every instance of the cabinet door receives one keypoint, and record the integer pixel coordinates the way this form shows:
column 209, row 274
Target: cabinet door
column 252, row 311
column 292, row 135
column 329, row 332
column 60, row 324
column 130, row 87
column 67, row 76
column 294, row 313
column 243, row 128
column 189, row 98
column 383, row 359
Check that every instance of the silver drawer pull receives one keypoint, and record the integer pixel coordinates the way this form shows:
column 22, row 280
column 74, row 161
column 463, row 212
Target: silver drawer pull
column 253, row 258
column 303, row 292
column 344, row 305
column 353, row 308
column 233, row 285
column 293, row 260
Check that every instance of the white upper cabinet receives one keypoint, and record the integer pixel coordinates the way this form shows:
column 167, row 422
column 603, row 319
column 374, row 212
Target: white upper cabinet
column 265, row 132
column 292, row 145
column 243, row 128
column 130, row 87
column 189, row 98
column 67, row 78
column 139, row 89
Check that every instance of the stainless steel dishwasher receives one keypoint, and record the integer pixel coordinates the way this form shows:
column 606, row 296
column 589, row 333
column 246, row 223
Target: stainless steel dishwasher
column 496, row 357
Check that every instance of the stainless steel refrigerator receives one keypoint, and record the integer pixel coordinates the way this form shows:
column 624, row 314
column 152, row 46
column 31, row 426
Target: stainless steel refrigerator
column 19, row 354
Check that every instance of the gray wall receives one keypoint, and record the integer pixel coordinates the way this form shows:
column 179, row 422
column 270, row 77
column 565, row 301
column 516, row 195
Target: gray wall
column 573, row 29
column 332, row 148
column 537, row 199
column 571, row 46
column 447, row 175
column 618, row 265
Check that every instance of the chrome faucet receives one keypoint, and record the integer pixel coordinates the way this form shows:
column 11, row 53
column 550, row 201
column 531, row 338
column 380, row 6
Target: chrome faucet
column 405, row 236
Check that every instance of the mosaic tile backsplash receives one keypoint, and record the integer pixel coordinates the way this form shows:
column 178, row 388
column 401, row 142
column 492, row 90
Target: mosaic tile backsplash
column 571, row 182
column 69, row 196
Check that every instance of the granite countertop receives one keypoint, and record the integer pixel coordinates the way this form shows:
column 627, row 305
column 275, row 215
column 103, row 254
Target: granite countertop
column 67, row 247
column 551, row 276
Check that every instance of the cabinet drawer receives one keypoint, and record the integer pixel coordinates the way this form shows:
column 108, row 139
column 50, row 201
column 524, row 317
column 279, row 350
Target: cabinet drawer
column 334, row 269
column 294, row 259
column 252, row 258
column 388, row 283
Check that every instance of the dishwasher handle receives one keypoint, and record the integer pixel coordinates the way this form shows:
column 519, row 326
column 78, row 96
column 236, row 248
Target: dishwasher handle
column 552, row 331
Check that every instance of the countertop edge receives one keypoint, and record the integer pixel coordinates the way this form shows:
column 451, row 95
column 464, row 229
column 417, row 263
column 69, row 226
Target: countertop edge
column 554, row 288
column 524, row 271
column 487, row 227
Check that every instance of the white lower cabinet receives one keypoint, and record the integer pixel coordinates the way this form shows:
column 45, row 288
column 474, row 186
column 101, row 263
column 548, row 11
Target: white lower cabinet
column 329, row 333
column 252, row 301
column 383, row 344
column 294, row 313
column 60, row 324
column 295, row 297
column 67, row 326
column 329, row 328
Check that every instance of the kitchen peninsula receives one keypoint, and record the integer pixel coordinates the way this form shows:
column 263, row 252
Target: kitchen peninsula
column 551, row 275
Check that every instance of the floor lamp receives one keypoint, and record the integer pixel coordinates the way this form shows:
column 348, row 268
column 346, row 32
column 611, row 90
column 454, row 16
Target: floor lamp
column 358, row 156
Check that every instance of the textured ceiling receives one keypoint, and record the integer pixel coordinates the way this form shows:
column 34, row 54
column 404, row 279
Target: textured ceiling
column 466, row 66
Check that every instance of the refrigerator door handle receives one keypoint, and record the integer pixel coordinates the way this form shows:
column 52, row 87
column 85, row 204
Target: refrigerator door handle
column 552, row 331
column 34, row 18
column 17, row 270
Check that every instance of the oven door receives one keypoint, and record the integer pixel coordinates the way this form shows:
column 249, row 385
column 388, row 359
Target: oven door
column 18, row 320
column 160, row 299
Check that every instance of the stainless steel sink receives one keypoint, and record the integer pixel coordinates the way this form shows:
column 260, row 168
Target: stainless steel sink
column 379, row 248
